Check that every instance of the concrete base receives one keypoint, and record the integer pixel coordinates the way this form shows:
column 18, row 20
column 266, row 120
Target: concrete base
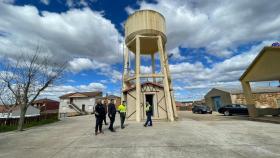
column 212, row 136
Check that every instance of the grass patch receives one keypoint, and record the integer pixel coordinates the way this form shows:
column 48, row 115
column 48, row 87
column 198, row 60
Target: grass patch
column 31, row 124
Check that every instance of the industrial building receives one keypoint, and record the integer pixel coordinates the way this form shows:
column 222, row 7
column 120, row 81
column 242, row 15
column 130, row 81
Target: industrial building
column 264, row 97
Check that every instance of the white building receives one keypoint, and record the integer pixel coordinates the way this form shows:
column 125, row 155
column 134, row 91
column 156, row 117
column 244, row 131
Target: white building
column 30, row 112
column 77, row 103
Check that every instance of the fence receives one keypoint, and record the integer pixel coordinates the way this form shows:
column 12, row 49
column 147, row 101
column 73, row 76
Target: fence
column 27, row 120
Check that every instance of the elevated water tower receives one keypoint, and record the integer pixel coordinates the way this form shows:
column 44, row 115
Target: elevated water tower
column 145, row 35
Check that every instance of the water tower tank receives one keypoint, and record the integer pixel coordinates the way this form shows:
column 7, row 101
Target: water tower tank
column 145, row 23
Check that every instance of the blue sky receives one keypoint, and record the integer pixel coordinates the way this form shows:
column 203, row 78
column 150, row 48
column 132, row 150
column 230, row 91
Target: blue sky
column 212, row 42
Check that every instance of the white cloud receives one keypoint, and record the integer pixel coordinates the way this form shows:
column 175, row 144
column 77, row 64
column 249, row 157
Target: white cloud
column 46, row 2
column 56, row 91
column 145, row 69
column 75, row 34
column 223, row 73
column 79, row 3
column 219, row 26
column 79, row 64
column 176, row 55
column 111, row 74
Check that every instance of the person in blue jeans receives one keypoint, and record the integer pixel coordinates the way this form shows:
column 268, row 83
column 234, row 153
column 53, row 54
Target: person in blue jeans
column 149, row 113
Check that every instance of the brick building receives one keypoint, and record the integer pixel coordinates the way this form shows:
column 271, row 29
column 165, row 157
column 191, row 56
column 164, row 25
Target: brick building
column 46, row 106
column 264, row 97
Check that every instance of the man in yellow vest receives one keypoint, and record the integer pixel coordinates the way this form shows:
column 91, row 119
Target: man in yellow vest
column 149, row 113
column 122, row 111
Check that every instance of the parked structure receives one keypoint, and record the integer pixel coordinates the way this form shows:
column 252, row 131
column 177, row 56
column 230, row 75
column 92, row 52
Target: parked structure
column 264, row 97
column 15, row 113
column 47, row 106
column 265, row 67
column 145, row 35
column 77, row 103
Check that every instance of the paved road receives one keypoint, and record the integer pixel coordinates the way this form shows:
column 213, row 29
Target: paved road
column 193, row 136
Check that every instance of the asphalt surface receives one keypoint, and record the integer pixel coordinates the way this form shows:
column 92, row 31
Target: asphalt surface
column 193, row 135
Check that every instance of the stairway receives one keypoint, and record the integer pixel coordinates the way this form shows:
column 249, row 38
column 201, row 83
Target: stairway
column 77, row 109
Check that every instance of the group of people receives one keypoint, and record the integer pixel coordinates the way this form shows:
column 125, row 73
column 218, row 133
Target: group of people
column 101, row 110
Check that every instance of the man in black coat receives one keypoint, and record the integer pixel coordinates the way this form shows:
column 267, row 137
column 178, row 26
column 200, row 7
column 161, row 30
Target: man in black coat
column 106, row 110
column 112, row 113
column 99, row 112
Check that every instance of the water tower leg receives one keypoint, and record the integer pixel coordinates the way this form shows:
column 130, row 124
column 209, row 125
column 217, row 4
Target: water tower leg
column 165, row 80
column 153, row 66
column 170, row 85
column 125, row 71
column 137, row 80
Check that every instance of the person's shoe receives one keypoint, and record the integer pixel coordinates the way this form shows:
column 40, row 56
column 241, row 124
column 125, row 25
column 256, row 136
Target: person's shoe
column 106, row 123
column 102, row 132
column 113, row 130
column 145, row 125
column 96, row 133
column 122, row 127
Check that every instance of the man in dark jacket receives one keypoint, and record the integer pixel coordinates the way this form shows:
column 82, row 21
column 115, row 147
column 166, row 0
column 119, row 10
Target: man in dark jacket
column 99, row 112
column 149, row 113
column 106, row 110
column 112, row 113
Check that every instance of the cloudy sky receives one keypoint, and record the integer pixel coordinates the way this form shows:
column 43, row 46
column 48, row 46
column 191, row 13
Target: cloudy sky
column 212, row 42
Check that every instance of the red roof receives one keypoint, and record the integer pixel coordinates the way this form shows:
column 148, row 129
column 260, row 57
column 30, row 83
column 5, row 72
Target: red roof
column 45, row 100
column 88, row 94
column 178, row 104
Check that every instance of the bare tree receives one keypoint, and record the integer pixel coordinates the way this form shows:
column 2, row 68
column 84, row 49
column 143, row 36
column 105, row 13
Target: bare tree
column 27, row 76
column 7, row 100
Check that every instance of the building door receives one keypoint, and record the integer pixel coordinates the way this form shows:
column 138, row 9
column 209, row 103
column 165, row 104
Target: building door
column 217, row 102
column 71, row 100
column 150, row 100
column 83, row 107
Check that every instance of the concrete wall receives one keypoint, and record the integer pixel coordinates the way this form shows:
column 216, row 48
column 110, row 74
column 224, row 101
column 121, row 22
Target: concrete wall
column 225, row 98
column 262, row 100
column 160, row 107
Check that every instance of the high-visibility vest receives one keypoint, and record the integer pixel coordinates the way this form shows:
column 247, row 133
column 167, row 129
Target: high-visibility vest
column 148, row 107
column 122, row 108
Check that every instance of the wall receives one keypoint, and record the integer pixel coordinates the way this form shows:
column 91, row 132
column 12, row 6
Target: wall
column 262, row 100
column 88, row 102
